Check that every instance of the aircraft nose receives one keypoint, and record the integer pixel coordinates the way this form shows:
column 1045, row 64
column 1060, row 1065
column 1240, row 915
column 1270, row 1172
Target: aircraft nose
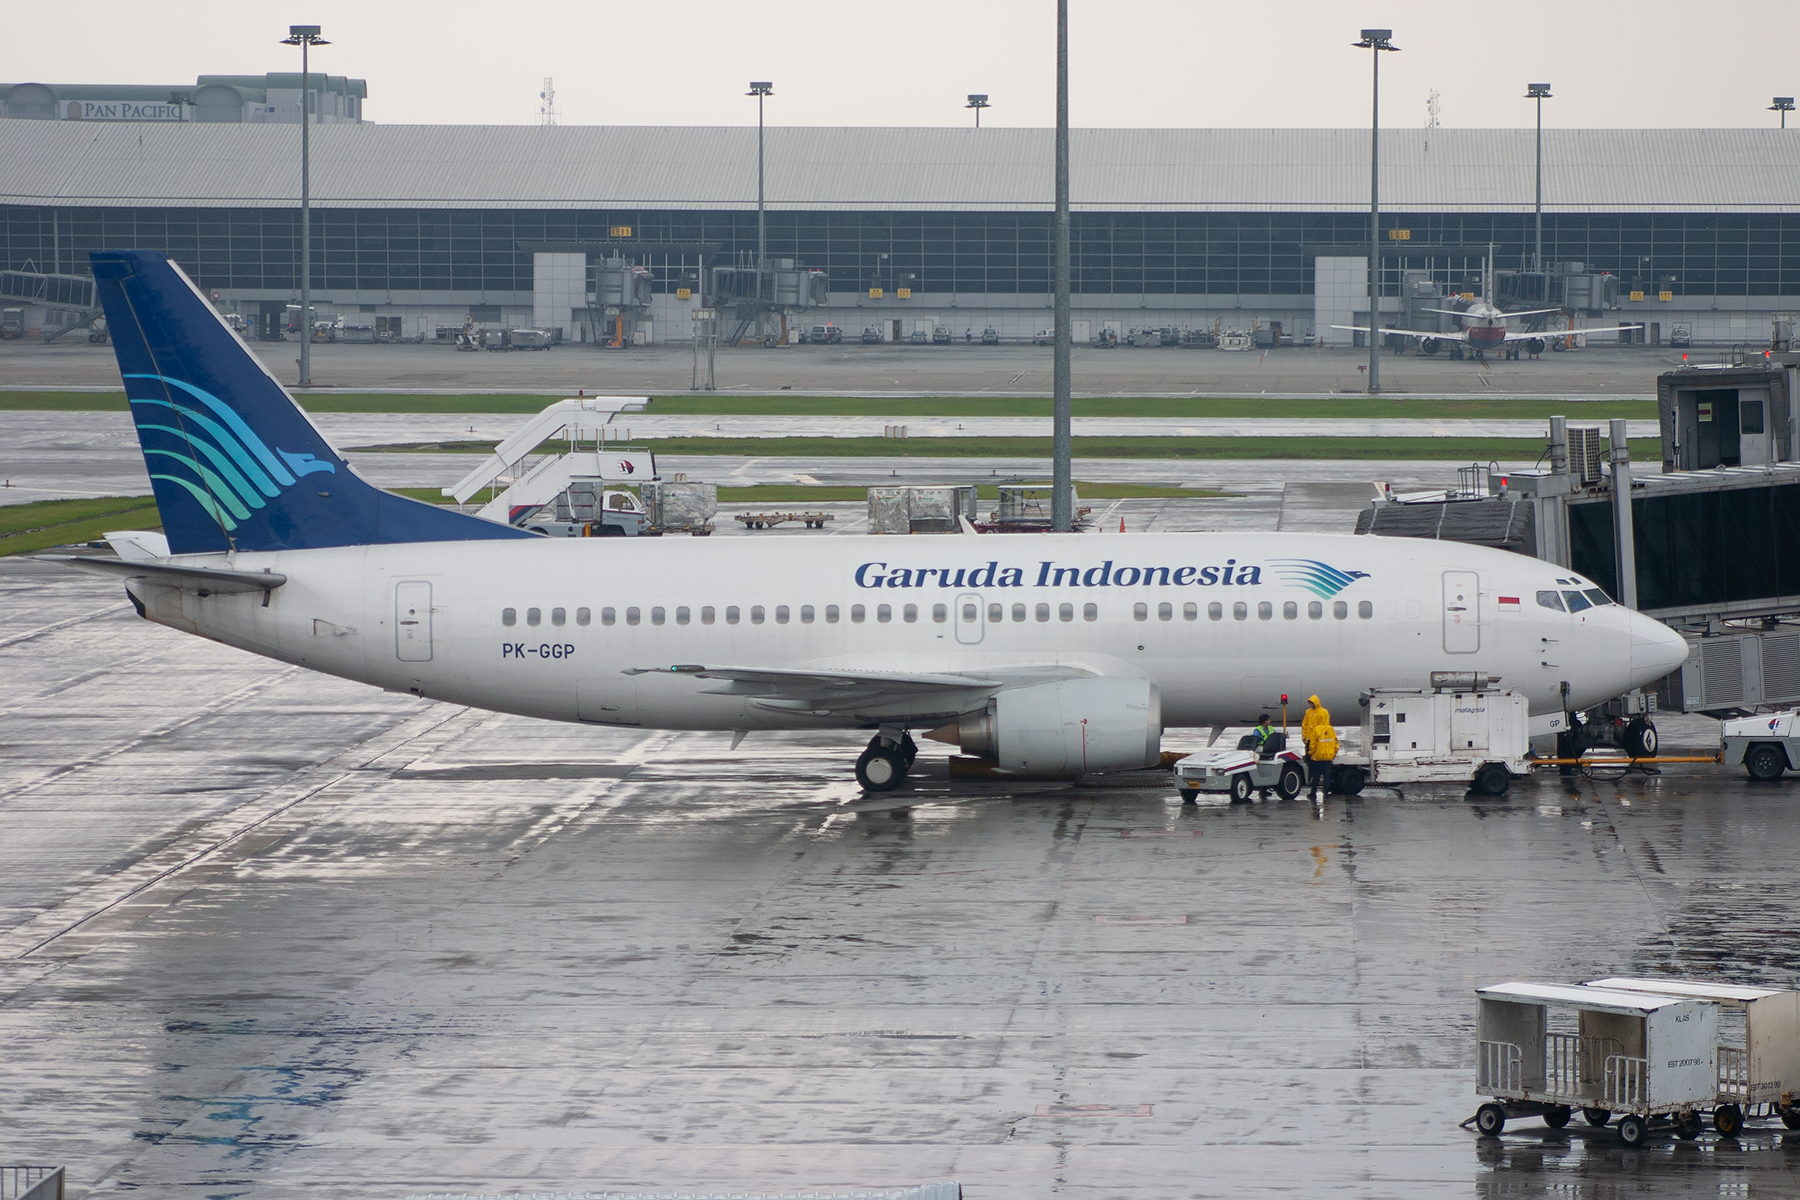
column 1655, row 650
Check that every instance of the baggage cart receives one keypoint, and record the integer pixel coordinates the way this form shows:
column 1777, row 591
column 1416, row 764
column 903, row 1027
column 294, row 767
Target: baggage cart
column 1759, row 1047
column 1648, row 1057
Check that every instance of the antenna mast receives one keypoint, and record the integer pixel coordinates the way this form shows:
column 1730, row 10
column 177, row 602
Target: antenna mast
column 547, row 109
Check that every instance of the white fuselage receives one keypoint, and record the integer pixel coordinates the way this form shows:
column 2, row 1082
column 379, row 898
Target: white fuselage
column 584, row 612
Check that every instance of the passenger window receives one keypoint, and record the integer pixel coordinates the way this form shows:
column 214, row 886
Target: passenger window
column 1576, row 602
column 632, row 616
column 1314, row 610
column 1018, row 612
column 681, row 615
column 535, row 616
column 1600, row 598
column 856, row 614
column 1042, row 612
column 608, row 616
column 1550, row 600
column 731, row 614
column 1165, row 612
column 1340, row 609
column 509, row 616
column 656, row 616
column 996, row 614
column 1365, row 610
column 831, row 614
column 1065, row 612
column 1190, row 611
column 781, row 614
column 583, row 616
column 806, row 614
column 884, row 613
column 910, row 614
column 970, row 613
column 558, row 616
column 1215, row 612
column 940, row 613
column 1090, row 612
column 706, row 614
column 1290, row 611
column 1140, row 612
column 1264, row 610
column 1240, row 611
column 756, row 614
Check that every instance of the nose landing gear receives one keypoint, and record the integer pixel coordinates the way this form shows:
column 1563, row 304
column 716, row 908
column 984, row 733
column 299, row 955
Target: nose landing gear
column 887, row 761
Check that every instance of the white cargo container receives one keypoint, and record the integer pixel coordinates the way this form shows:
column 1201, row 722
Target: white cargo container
column 1758, row 1066
column 1633, row 1053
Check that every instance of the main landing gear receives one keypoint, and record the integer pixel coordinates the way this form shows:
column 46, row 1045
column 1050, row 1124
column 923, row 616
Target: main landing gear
column 887, row 760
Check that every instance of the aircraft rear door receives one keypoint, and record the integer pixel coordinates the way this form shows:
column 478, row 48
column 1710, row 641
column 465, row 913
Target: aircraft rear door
column 1462, row 612
column 412, row 621
column 969, row 627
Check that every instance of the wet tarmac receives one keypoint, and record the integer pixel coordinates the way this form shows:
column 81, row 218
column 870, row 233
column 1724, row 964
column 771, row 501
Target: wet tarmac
column 266, row 933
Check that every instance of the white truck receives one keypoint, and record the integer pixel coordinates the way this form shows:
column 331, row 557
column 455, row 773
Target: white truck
column 1457, row 731
column 1764, row 744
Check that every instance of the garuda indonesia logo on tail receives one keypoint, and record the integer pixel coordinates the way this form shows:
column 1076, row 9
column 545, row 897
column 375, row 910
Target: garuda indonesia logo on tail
column 1321, row 579
column 229, row 471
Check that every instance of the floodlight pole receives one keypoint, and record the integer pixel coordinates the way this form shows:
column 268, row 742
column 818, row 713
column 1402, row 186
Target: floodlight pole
column 1539, row 92
column 760, row 90
column 1062, row 503
column 305, row 37
column 1783, row 105
column 978, row 103
column 1375, row 41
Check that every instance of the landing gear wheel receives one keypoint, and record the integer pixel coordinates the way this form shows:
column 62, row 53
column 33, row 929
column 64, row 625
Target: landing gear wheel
column 1633, row 1129
column 1490, row 1119
column 1765, row 762
column 1640, row 738
column 1241, row 789
column 1290, row 783
column 1556, row 1116
column 1348, row 781
column 1728, row 1119
column 1493, row 780
column 1597, row 1117
column 880, row 769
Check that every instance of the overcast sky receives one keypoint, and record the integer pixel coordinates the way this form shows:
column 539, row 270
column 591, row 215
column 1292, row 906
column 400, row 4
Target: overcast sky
column 1154, row 63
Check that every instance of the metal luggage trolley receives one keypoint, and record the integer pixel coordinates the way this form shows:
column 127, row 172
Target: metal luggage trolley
column 1649, row 1057
column 1764, row 1067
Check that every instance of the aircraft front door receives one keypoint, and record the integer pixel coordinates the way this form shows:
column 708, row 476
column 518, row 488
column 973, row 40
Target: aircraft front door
column 412, row 621
column 1462, row 612
column 969, row 624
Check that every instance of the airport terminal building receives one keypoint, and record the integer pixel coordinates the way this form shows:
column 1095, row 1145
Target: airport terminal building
column 1695, row 233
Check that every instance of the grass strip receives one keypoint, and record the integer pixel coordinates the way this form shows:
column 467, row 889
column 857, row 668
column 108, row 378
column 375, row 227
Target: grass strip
column 46, row 523
column 1420, row 449
column 1191, row 408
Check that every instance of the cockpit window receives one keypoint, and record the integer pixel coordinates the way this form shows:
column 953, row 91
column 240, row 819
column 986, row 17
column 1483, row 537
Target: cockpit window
column 1599, row 597
column 1577, row 601
column 1550, row 600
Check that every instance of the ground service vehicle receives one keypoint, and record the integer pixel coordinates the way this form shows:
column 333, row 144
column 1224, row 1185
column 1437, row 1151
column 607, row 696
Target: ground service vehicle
column 1766, row 744
column 941, row 336
column 12, row 323
column 1245, row 771
column 827, row 334
column 990, row 336
column 1045, row 337
column 871, row 335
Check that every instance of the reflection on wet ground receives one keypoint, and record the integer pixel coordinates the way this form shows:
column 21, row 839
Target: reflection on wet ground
column 264, row 933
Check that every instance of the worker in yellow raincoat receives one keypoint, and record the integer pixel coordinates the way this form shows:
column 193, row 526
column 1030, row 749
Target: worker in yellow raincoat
column 1321, row 747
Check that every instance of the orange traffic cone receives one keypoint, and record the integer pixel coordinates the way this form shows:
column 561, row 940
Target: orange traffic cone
column 1121, row 524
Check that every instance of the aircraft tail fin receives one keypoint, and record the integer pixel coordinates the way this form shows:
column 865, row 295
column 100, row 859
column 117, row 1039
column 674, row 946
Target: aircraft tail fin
column 236, row 464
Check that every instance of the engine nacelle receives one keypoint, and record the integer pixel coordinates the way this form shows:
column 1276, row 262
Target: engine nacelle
column 1534, row 345
column 1072, row 726
column 1429, row 346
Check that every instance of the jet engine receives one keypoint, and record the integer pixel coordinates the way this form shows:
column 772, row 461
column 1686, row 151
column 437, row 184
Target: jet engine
column 1534, row 345
column 1429, row 345
column 1071, row 726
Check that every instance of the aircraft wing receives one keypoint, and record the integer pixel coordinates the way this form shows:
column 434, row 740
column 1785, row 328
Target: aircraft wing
column 1550, row 335
column 205, row 580
column 871, row 695
column 1415, row 333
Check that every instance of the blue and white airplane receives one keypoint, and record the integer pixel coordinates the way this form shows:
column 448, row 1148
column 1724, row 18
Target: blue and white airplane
column 1056, row 653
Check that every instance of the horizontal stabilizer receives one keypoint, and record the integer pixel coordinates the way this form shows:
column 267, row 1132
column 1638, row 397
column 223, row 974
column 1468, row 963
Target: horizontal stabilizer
column 207, row 581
